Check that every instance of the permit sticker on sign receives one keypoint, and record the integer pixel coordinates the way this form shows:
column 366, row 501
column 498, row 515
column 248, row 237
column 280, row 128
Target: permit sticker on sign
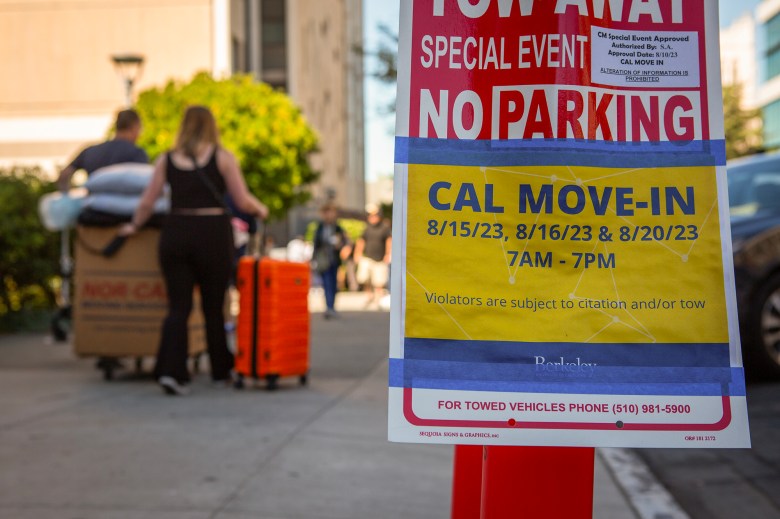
column 562, row 270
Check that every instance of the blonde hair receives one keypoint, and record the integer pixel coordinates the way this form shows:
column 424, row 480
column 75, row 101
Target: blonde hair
column 198, row 129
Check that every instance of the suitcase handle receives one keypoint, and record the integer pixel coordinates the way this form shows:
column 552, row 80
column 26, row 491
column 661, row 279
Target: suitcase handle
column 256, row 246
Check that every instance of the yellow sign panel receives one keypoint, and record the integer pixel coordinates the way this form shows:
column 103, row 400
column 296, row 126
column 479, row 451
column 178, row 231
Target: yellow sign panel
column 577, row 254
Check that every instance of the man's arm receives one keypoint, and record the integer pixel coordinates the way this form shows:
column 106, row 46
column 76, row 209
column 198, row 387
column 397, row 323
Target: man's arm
column 359, row 246
column 63, row 181
column 388, row 249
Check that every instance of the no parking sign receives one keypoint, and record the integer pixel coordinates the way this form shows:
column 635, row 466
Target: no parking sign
column 562, row 271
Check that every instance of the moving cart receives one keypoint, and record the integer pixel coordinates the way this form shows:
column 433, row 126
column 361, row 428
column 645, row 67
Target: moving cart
column 120, row 301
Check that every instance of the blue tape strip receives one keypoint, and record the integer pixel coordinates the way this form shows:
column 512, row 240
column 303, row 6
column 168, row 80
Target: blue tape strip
column 605, row 381
column 703, row 355
column 559, row 152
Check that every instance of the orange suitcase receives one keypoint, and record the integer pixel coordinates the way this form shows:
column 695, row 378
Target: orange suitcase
column 272, row 332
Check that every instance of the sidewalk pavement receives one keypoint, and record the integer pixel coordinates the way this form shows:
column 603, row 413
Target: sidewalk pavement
column 74, row 446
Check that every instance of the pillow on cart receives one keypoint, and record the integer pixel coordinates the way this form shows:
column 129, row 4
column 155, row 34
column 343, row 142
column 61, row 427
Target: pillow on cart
column 127, row 178
column 122, row 205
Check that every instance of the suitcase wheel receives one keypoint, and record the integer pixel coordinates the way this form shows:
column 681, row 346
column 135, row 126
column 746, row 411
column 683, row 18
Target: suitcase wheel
column 272, row 382
column 239, row 382
column 304, row 379
column 108, row 365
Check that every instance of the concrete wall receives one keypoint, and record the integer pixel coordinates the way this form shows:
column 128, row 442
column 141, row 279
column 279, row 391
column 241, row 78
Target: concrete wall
column 60, row 88
column 739, row 59
column 325, row 78
column 768, row 91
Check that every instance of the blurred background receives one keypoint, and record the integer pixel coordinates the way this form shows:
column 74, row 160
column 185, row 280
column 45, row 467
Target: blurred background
column 69, row 65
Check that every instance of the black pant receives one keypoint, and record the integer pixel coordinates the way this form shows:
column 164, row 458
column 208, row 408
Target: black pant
column 195, row 250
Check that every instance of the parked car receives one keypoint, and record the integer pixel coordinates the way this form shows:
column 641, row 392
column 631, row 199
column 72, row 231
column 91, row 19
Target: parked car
column 754, row 205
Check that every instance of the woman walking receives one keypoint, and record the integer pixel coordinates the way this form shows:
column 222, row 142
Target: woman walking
column 196, row 242
column 330, row 240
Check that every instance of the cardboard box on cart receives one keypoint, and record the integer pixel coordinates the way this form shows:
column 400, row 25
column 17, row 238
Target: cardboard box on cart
column 120, row 302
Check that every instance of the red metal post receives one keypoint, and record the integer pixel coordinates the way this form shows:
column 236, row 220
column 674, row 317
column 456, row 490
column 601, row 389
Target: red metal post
column 467, row 481
column 537, row 482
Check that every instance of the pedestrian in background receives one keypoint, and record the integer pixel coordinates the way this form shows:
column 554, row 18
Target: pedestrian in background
column 120, row 149
column 350, row 269
column 196, row 242
column 372, row 255
column 329, row 240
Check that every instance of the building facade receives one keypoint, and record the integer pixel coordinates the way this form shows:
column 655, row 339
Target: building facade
column 61, row 90
column 767, row 18
column 750, row 56
column 738, row 57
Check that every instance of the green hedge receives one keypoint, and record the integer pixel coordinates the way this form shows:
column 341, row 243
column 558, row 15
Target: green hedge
column 29, row 254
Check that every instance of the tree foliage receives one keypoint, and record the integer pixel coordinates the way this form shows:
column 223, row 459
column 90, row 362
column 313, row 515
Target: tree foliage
column 742, row 127
column 28, row 253
column 387, row 56
column 387, row 61
column 263, row 127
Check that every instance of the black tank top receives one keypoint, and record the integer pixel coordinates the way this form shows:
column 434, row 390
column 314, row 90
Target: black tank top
column 188, row 188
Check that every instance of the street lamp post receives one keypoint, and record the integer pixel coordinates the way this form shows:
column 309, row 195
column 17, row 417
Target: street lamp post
column 128, row 66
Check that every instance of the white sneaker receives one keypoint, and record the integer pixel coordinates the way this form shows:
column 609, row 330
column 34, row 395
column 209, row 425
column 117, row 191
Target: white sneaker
column 172, row 387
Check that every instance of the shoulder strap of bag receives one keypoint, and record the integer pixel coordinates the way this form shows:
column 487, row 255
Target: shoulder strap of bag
column 107, row 251
column 209, row 184
column 260, row 238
